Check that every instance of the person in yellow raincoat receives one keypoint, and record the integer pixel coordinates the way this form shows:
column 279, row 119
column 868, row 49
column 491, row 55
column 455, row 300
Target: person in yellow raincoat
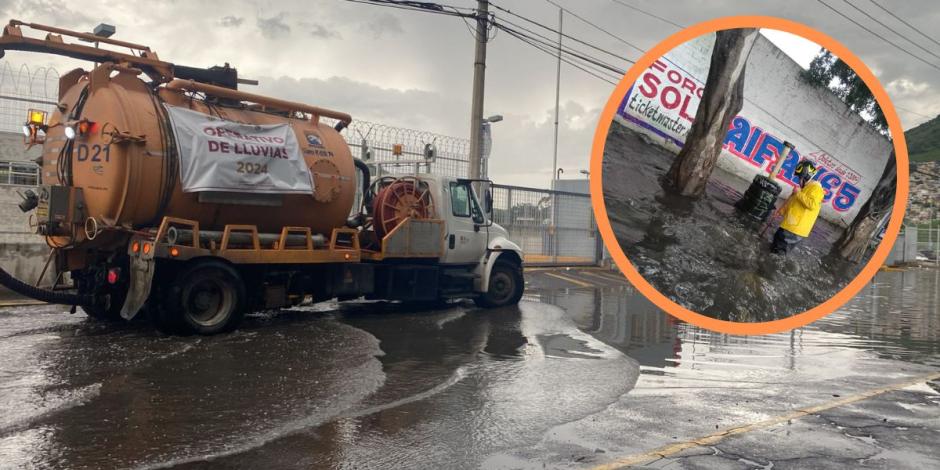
column 800, row 211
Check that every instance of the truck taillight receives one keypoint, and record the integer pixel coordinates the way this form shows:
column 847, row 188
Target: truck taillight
column 147, row 248
column 114, row 275
column 135, row 247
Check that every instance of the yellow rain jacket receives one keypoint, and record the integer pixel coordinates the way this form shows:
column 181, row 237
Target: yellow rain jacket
column 802, row 208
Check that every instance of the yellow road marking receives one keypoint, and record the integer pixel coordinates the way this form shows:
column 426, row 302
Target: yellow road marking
column 606, row 277
column 571, row 279
column 578, row 268
column 665, row 451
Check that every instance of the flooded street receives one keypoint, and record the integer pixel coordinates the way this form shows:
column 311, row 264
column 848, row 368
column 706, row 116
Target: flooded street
column 701, row 253
column 584, row 372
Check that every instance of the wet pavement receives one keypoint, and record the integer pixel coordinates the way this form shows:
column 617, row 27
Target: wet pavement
column 701, row 253
column 583, row 373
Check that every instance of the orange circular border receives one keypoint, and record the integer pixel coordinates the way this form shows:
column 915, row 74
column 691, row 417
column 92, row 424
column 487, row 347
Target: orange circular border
column 793, row 321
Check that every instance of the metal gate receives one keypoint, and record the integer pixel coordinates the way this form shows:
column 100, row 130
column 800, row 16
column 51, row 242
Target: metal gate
column 551, row 227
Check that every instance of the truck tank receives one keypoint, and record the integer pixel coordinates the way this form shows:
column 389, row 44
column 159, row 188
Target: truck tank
column 126, row 161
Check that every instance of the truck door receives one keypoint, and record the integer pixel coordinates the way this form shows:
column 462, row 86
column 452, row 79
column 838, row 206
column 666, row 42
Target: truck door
column 467, row 228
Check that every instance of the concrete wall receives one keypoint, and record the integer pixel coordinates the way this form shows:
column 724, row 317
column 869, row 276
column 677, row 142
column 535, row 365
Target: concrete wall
column 779, row 106
column 22, row 252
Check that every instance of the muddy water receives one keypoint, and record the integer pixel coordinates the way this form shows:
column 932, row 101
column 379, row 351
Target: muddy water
column 693, row 381
column 701, row 253
column 896, row 317
column 382, row 386
column 358, row 385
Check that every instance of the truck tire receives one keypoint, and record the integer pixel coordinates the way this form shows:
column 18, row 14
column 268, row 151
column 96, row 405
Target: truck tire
column 206, row 298
column 505, row 287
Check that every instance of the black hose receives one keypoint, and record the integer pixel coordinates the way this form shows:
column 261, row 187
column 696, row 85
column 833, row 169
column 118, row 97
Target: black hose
column 45, row 295
column 366, row 177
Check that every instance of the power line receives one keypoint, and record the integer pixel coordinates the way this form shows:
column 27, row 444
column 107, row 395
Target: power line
column 425, row 7
column 876, row 20
column 914, row 112
column 660, row 18
column 553, row 30
column 551, row 49
column 504, row 20
column 591, row 65
column 568, row 50
column 548, row 50
column 905, row 22
column 877, row 35
column 563, row 59
column 594, row 25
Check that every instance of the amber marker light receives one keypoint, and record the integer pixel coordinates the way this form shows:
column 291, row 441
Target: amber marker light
column 37, row 117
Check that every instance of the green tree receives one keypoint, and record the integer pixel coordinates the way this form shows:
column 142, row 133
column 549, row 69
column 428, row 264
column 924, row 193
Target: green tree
column 827, row 70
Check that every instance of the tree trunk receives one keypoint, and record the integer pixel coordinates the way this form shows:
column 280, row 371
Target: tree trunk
column 853, row 243
column 721, row 101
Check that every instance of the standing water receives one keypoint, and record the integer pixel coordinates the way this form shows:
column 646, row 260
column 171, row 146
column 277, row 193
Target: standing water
column 701, row 253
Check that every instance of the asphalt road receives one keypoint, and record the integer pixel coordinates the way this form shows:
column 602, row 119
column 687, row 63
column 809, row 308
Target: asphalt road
column 583, row 373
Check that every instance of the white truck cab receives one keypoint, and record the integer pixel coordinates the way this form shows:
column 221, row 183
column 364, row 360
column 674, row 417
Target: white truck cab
column 475, row 246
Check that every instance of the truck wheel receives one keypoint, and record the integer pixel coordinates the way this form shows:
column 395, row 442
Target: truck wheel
column 206, row 298
column 506, row 285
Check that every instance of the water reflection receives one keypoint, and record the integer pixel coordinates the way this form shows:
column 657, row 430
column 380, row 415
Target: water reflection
column 896, row 317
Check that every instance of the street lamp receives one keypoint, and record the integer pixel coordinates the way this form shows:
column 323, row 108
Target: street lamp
column 486, row 142
column 585, row 173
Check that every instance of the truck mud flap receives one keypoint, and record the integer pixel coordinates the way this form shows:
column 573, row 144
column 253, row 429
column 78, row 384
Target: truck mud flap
column 139, row 289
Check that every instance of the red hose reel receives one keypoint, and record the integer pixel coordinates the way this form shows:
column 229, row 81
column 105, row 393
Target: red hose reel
column 402, row 199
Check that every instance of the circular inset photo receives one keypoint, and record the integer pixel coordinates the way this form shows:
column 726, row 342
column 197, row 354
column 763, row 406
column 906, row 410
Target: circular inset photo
column 749, row 175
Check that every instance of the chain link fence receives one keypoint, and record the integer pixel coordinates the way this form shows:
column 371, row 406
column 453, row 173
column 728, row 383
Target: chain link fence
column 386, row 145
column 22, row 89
column 928, row 241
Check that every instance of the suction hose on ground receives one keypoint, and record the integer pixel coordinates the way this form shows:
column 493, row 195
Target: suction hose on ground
column 45, row 295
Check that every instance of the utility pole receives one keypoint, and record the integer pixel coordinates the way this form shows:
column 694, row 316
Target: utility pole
column 554, row 227
column 479, row 71
column 561, row 14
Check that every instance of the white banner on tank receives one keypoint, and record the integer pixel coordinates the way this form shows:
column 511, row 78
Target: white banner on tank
column 220, row 155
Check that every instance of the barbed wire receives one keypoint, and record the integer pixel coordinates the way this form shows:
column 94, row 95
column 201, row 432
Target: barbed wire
column 41, row 83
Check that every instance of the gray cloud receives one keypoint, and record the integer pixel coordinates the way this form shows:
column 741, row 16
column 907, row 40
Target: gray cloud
column 231, row 21
column 58, row 12
column 318, row 30
column 382, row 25
column 274, row 27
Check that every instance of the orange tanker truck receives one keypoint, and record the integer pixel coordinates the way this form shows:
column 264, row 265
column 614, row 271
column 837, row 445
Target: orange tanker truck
column 166, row 189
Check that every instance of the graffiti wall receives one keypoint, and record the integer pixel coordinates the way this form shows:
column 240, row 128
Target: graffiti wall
column 778, row 107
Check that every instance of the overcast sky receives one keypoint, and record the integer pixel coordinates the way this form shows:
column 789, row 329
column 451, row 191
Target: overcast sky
column 414, row 69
